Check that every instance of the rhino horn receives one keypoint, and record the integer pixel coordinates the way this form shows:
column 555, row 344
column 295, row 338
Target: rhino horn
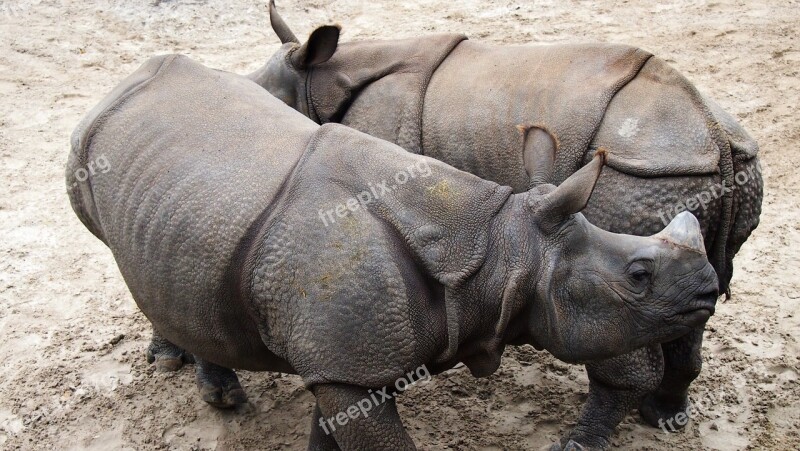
column 572, row 196
column 280, row 27
column 684, row 231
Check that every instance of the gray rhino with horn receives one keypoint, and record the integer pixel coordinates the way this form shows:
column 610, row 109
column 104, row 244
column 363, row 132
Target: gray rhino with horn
column 212, row 210
column 503, row 112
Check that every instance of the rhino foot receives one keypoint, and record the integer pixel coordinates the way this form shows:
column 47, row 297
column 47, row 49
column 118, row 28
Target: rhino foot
column 166, row 356
column 219, row 386
column 663, row 412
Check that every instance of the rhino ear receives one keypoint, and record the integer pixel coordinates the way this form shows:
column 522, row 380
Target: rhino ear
column 279, row 26
column 540, row 146
column 319, row 48
column 573, row 194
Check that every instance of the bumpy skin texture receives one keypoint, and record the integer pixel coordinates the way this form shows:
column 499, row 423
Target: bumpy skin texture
column 495, row 111
column 212, row 209
column 565, row 91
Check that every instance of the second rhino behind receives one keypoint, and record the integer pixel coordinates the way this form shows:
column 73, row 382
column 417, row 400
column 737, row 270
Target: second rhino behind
column 211, row 208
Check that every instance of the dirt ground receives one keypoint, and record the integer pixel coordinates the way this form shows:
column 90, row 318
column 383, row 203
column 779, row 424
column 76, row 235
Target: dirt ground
column 73, row 373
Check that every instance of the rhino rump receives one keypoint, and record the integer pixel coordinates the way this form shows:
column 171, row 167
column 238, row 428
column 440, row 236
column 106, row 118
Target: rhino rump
column 194, row 164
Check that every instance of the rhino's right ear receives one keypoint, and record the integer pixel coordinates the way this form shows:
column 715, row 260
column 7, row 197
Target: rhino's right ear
column 319, row 48
column 279, row 26
column 573, row 194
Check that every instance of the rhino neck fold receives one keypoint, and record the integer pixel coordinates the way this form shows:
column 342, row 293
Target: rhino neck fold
column 379, row 79
column 495, row 294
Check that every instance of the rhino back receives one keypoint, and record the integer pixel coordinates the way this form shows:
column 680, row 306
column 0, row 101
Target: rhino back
column 79, row 192
column 480, row 94
column 658, row 125
column 196, row 157
column 667, row 144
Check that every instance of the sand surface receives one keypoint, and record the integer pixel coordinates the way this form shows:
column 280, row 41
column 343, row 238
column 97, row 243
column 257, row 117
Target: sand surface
column 72, row 367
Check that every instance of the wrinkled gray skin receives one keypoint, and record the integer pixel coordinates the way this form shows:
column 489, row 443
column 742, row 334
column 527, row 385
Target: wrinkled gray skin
column 212, row 206
column 502, row 112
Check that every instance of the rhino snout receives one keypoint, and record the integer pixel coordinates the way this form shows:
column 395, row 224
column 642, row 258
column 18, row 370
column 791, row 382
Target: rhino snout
column 701, row 310
column 702, row 306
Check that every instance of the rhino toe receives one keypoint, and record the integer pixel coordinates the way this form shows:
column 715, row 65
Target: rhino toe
column 572, row 445
column 568, row 444
column 166, row 356
column 219, row 386
column 223, row 397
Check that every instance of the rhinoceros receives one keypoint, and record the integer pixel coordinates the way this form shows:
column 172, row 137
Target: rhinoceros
column 217, row 209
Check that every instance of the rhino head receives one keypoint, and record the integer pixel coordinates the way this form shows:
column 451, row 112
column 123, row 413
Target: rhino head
column 284, row 75
column 599, row 294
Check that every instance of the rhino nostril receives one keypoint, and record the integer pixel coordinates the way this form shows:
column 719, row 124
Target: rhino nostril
column 707, row 299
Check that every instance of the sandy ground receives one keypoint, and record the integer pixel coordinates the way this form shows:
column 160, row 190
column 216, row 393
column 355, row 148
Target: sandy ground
column 73, row 373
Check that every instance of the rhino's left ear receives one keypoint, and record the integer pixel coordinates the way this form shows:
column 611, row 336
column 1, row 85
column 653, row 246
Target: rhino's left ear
column 319, row 48
column 573, row 194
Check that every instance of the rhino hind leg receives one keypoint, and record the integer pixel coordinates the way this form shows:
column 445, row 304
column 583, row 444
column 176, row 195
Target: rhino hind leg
column 380, row 429
column 166, row 356
column 682, row 364
column 616, row 386
column 219, row 386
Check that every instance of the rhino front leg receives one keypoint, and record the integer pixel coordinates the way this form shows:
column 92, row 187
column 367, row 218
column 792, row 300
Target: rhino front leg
column 320, row 440
column 166, row 356
column 356, row 421
column 616, row 386
column 682, row 364
column 218, row 385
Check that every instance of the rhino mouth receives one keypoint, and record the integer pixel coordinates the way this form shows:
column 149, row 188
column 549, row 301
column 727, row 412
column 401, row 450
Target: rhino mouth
column 702, row 308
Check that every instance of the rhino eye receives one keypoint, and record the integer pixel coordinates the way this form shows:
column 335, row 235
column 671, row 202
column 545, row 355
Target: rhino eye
column 640, row 275
column 639, row 272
